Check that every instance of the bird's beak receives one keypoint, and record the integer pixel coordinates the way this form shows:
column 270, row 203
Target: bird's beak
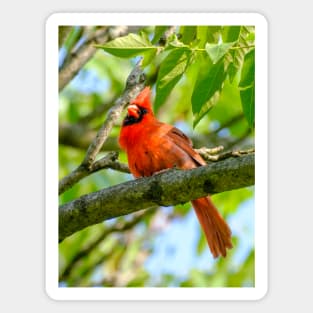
column 133, row 110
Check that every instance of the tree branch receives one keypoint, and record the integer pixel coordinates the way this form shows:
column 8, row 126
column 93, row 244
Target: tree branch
column 87, row 50
column 134, row 84
column 213, row 155
column 78, row 60
column 168, row 188
column 108, row 161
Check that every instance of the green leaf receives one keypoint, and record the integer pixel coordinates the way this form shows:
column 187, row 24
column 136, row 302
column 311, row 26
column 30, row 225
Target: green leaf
column 214, row 33
column 73, row 112
column 247, row 86
column 202, row 33
column 73, row 37
column 232, row 71
column 148, row 57
column 217, row 51
column 247, row 73
column 250, row 37
column 207, row 84
column 238, row 54
column 247, row 97
column 173, row 42
column 230, row 33
column 158, row 32
column 171, row 70
column 207, row 106
column 128, row 46
column 188, row 33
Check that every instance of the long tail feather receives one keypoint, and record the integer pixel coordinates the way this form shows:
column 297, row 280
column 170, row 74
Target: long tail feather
column 216, row 230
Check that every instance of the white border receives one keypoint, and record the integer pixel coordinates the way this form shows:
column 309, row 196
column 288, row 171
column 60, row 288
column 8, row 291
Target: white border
column 261, row 194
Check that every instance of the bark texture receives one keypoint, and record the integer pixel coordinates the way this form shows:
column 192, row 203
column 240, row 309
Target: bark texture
column 167, row 188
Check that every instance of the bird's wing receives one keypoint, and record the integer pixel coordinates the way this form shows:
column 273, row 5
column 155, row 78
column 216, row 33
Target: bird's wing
column 184, row 143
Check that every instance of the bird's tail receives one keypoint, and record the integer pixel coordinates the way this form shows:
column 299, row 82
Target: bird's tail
column 216, row 230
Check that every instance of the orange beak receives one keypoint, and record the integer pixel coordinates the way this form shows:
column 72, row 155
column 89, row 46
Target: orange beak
column 133, row 110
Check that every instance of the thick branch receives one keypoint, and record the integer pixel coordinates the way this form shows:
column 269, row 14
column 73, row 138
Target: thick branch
column 167, row 188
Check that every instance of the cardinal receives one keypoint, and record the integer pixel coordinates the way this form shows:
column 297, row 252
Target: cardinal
column 152, row 146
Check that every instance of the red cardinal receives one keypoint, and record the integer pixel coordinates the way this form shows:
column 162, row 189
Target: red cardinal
column 152, row 146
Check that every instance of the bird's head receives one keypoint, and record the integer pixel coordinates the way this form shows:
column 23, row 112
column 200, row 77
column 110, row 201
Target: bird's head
column 139, row 107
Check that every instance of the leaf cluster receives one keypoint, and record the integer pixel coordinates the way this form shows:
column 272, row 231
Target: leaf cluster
column 213, row 53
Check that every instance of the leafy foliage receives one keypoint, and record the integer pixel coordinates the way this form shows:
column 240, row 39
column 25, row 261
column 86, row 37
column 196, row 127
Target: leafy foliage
column 219, row 44
column 203, row 77
column 129, row 46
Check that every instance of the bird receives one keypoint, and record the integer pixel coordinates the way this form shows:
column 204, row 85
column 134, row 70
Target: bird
column 152, row 146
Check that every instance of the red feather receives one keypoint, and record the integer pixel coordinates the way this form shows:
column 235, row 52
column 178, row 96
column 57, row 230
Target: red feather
column 152, row 146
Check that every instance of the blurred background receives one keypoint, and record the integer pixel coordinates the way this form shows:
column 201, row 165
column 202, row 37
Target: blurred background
column 164, row 246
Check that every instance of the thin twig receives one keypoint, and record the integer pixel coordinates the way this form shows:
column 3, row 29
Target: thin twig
column 109, row 161
column 210, row 151
column 211, row 154
column 81, row 171
column 242, row 47
column 117, row 166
